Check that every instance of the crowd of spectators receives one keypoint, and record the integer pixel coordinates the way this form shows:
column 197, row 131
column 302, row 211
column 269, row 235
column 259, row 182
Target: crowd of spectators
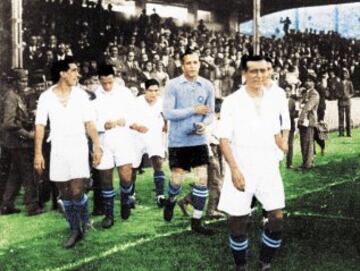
column 150, row 46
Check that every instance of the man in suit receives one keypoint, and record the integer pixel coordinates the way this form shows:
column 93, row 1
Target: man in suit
column 308, row 121
column 344, row 95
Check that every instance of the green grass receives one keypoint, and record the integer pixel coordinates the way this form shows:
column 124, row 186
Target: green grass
column 322, row 208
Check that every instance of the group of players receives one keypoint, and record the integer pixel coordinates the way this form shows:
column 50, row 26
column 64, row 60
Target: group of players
column 253, row 131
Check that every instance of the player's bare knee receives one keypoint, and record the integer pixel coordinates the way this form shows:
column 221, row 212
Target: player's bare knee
column 177, row 177
column 156, row 162
column 77, row 193
column 238, row 225
column 125, row 173
column 275, row 221
column 201, row 176
column 106, row 179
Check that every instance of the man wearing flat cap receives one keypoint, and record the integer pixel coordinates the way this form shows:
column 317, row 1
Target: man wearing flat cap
column 308, row 120
column 18, row 137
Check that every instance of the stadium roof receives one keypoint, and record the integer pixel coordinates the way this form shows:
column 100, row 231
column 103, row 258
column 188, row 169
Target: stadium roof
column 244, row 7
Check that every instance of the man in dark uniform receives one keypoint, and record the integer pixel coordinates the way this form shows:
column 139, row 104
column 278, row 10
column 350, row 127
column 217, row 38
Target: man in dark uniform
column 4, row 151
column 18, row 137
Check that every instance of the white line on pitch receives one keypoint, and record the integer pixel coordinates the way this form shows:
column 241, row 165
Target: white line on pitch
column 123, row 247
column 319, row 189
column 113, row 250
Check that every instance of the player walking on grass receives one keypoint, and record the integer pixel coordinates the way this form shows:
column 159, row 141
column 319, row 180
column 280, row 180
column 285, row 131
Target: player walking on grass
column 114, row 109
column 189, row 107
column 249, row 132
column 149, row 114
column 69, row 111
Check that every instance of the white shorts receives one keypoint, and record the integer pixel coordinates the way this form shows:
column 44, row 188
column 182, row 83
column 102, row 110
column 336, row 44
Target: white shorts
column 265, row 185
column 118, row 149
column 69, row 159
column 153, row 145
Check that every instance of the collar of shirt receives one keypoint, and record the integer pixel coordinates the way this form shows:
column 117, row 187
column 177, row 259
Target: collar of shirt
column 183, row 80
column 106, row 93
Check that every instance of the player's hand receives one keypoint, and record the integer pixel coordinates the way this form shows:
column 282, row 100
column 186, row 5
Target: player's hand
column 141, row 129
column 39, row 163
column 97, row 155
column 165, row 128
column 110, row 125
column 121, row 122
column 201, row 109
column 284, row 146
column 238, row 179
column 200, row 128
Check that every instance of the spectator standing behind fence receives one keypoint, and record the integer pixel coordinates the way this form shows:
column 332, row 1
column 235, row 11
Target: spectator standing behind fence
column 344, row 94
column 227, row 72
column 308, row 121
column 114, row 58
column 321, row 88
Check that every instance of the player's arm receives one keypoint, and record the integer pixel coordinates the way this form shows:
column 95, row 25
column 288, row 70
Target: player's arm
column 210, row 103
column 92, row 133
column 281, row 143
column 172, row 113
column 39, row 161
column 236, row 175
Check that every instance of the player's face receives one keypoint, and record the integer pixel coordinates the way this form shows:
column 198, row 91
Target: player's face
column 151, row 94
column 71, row 76
column 256, row 74
column 22, row 83
column 191, row 66
column 39, row 87
column 107, row 82
column 309, row 83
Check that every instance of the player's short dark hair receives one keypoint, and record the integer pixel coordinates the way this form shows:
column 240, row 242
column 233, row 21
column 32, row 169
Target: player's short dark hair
column 188, row 51
column 246, row 58
column 106, row 70
column 269, row 60
column 151, row 82
column 61, row 66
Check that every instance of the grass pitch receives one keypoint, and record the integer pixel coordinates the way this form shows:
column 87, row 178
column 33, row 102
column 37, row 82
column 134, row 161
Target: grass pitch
column 321, row 228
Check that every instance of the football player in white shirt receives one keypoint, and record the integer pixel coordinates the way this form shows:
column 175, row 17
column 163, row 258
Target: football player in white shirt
column 249, row 132
column 114, row 109
column 69, row 111
column 149, row 114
